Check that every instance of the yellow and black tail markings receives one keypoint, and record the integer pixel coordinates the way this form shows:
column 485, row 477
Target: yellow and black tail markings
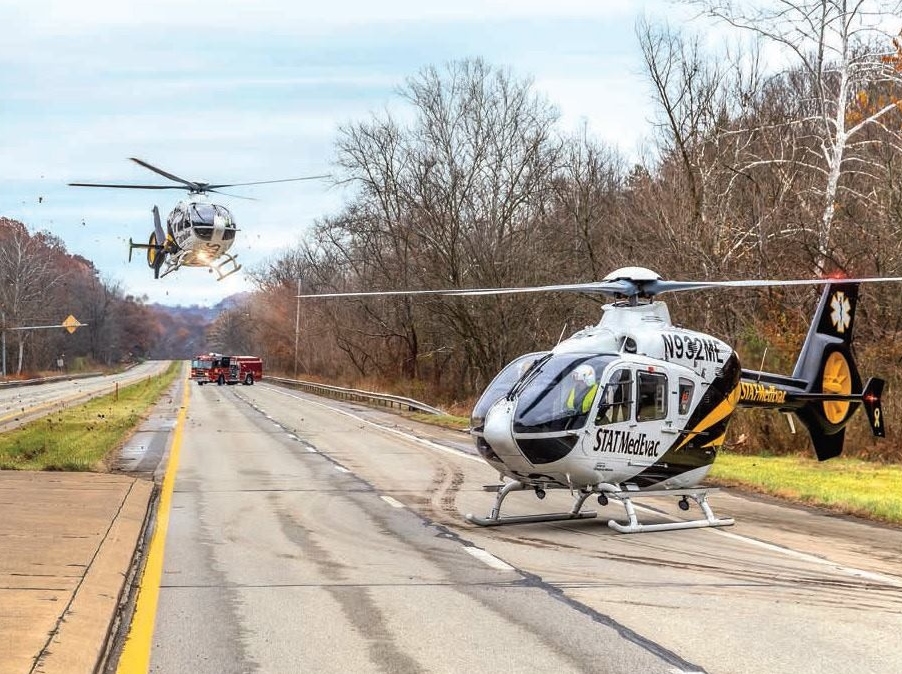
column 825, row 388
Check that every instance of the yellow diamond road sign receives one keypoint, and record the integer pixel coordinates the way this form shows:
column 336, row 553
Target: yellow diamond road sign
column 71, row 323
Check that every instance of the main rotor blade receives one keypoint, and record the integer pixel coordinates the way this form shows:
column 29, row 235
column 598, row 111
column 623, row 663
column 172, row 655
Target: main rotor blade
column 609, row 287
column 617, row 287
column 190, row 183
column 232, row 196
column 129, row 187
column 656, row 287
column 378, row 293
column 267, row 182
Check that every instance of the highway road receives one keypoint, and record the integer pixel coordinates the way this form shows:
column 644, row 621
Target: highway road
column 19, row 404
column 307, row 534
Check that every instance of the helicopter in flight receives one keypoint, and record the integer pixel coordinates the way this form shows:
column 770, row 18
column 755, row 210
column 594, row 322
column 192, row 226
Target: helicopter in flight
column 636, row 407
column 198, row 232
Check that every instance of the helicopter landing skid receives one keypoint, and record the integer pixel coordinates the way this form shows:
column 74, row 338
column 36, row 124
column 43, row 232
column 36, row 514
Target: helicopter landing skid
column 218, row 267
column 605, row 494
column 700, row 496
column 495, row 519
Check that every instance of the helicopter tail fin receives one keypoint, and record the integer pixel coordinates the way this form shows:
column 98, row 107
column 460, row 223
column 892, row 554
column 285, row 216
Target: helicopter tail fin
column 832, row 384
column 157, row 225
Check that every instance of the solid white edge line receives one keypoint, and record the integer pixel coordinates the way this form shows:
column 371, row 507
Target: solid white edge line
column 406, row 436
column 392, row 502
column 814, row 559
column 488, row 558
column 802, row 556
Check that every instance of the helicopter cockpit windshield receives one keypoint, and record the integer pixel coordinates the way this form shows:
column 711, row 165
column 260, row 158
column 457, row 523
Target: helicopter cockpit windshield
column 560, row 395
column 206, row 217
column 503, row 384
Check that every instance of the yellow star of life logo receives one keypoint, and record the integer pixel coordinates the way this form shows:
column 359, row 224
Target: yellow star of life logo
column 842, row 312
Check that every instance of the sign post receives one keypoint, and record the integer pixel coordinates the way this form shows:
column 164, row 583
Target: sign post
column 71, row 324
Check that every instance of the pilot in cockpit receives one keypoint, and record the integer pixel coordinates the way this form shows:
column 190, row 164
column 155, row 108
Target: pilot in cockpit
column 615, row 405
column 582, row 393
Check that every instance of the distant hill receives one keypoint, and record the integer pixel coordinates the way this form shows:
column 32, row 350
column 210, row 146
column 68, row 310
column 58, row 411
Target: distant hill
column 184, row 329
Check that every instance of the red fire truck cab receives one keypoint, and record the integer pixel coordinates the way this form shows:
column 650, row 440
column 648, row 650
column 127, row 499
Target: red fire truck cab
column 215, row 367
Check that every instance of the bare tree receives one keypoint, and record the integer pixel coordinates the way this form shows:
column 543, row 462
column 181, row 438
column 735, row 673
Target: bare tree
column 27, row 273
column 842, row 52
column 453, row 199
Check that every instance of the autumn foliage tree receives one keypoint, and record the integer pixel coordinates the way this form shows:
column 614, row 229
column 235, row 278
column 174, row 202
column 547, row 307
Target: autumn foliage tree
column 41, row 283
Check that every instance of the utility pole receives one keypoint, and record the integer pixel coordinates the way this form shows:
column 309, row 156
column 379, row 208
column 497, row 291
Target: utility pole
column 297, row 328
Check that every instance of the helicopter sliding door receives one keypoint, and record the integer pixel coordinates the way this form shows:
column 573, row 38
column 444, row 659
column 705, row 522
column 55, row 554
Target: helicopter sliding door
column 634, row 418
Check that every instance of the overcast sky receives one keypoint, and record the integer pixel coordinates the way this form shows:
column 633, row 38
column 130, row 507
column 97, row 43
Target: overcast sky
column 235, row 94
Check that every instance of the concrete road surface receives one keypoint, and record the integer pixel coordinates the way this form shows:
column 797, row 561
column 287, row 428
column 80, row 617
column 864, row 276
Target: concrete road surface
column 303, row 534
column 67, row 544
column 308, row 534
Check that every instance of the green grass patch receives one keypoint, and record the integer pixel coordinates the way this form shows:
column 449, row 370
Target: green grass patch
column 81, row 438
column 843, row 485
column 455, row 423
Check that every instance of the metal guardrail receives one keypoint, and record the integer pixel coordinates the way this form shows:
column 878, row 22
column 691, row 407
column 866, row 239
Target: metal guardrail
column 368, row 397
column 12, row 383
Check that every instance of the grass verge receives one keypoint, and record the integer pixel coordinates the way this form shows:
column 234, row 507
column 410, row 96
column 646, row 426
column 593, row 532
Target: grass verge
column 849, row 486
column 449, row 421
column 81, row 438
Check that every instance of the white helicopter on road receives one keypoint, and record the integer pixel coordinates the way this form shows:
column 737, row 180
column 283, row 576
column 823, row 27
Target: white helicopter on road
column 635, row 407
column 198, row 233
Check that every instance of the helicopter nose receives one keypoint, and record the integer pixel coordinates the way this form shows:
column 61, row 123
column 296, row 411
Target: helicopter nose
column 498, row 434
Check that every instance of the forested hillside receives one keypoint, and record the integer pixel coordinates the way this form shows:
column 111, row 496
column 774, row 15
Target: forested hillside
column 41, row 284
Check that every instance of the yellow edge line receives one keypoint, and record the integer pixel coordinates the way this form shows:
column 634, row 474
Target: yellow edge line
column 136, row 651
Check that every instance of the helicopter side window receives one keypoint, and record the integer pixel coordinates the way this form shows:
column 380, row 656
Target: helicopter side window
column 652, row 398
column 685, row 400
column 615, row 399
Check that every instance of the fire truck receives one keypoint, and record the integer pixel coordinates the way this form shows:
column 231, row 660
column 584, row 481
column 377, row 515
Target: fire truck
column 200, row 366
column 220, row 369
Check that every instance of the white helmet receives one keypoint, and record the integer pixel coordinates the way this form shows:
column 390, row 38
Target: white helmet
column 584, row 373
